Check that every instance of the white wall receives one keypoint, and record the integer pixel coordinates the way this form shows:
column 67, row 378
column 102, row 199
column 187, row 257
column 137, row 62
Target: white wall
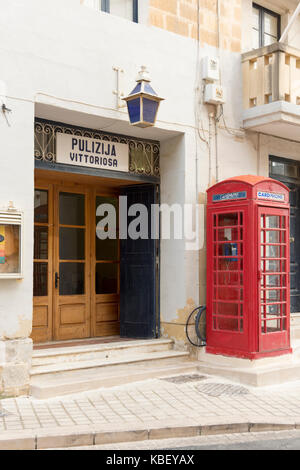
column 62, row 53
column 16, row 169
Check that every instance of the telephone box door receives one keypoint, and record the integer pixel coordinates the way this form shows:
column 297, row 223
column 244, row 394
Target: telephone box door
column 273, row 291
column 228, row 322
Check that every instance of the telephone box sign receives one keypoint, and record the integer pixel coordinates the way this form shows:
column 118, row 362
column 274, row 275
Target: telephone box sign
column 92, row 153
column 229, row 196
column 270, row 196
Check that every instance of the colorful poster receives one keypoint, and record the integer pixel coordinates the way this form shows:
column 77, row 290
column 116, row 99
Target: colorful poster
column 2, row 244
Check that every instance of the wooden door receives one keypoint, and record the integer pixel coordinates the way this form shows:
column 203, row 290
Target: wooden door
column 71, row 263
column 76, row 273
column 105, row 269
column 42, row 325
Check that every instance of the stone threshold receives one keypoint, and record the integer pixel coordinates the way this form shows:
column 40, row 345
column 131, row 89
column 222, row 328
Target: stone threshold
column 80, row 342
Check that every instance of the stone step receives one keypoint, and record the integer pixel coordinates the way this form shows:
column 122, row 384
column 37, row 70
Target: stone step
column 81, row 368
column 90, row 352
column 261, row 377
column 48, row 386
column 257, row 373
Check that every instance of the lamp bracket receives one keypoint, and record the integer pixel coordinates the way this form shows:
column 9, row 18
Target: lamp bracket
column 118, row 93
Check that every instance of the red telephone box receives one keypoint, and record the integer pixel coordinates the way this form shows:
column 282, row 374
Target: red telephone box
column 248, row 285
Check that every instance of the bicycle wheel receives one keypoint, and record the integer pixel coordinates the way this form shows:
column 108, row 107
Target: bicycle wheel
column 200, row 324
column 190, row 329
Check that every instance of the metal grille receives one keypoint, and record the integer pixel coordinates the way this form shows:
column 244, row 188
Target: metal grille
column 182, row 379
column 144, row 158
column 217, row 389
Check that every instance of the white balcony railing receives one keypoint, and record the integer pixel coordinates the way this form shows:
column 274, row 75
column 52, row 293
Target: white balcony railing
column 271, row 90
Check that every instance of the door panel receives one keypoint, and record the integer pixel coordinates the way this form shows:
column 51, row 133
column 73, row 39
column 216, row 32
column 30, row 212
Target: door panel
column 273, row 257
column 138, row 294
column 288, row 171
column 227, row 278
column 77, row 275
column 295, row 246
column 105, row 270
column 72, row 264
column 42, row 324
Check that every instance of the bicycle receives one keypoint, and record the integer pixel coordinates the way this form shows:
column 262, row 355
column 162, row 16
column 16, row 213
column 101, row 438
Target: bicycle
column 195, row 327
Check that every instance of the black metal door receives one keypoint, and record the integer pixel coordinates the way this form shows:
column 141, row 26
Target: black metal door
column 288, row 172
column 138, row 273
column 295, row 246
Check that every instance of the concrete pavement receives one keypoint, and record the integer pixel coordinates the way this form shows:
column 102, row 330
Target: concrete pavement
column 185, row 406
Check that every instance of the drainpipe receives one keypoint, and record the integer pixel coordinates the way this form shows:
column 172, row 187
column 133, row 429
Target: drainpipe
column 211, row 117
column 217, row 147
column 290, row 23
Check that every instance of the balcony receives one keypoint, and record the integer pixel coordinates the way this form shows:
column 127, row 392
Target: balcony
column 271, row 91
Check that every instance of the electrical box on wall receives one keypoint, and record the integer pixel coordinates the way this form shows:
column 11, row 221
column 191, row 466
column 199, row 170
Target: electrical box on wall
column 11, row 241
column 211, row 69
column 214, row 94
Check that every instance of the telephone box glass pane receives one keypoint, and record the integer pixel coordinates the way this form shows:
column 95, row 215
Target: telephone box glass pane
column 228, row 264
column 228, row 279
column 272, row 251
column 228, row 309
column 272, row 236
column 273, row 326
column 229, row 324
column 271, row 280
column 272, row 221
column 273, row 287
column 271, row 266
column 274, row 295
column 273, row 309
column 228, row 220
column 225, row 293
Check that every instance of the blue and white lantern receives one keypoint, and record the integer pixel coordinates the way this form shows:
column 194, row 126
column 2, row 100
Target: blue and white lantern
column 143, row 102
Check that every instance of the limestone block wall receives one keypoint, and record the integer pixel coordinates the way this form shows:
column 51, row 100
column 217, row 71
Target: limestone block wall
column 199, row 18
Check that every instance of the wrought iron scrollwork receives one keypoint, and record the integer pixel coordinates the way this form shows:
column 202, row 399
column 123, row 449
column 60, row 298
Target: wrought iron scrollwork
column 144, row 156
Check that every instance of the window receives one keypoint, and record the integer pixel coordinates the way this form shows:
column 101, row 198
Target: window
column 265, row 27
column 284, row 168
column 125, row 8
